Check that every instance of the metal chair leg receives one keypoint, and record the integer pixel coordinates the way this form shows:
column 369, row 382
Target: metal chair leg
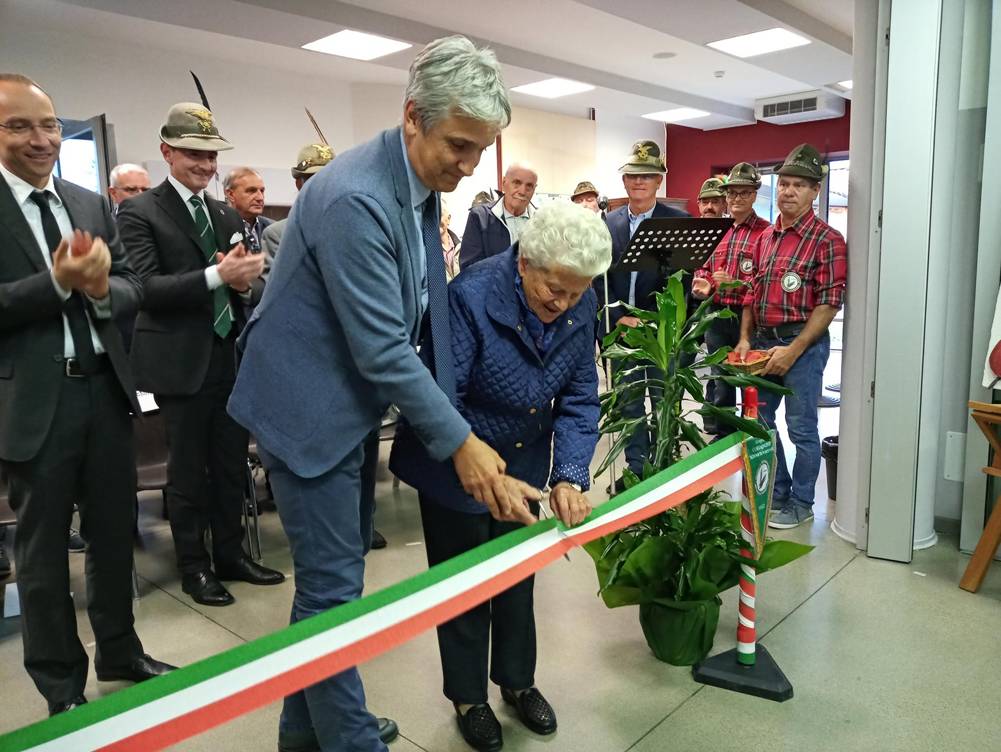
column 251, row 518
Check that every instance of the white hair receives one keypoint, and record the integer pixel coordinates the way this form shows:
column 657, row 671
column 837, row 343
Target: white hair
column 235, row 174
column 569, row 236
column 124, row 169
column 521, row 166
column 451, row 76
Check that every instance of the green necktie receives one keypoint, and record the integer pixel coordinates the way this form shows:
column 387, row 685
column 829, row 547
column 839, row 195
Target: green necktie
column 222, row 313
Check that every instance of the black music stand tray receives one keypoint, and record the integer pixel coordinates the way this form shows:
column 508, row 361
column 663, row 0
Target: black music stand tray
column 667, row 244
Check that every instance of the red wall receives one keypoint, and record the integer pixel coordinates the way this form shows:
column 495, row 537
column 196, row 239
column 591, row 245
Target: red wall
column 692, row 154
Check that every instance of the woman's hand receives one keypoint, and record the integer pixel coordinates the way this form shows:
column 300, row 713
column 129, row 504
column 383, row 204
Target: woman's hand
column 569, row 505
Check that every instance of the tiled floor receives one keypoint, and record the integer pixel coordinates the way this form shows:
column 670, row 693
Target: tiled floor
column 882, row 656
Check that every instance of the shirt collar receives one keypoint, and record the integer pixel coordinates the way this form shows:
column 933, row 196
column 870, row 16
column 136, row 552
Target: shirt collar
column 183, row 191
column 645, row 215
column 799, row 226
column 418, row 191
column 749, row 220
column 22, row 189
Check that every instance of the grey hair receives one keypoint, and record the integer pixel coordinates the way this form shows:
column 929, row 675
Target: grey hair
column 451, row 76
column 124, row 169
column 569, row 236
column 235, row 174
column 521, row 166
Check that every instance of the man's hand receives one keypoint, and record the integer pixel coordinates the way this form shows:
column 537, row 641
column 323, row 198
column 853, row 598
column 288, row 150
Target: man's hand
column 569, row 505
column 519, row 494
column 83, row 263
column 722, row 278
column 783, row 358
column 742, row 349
column 239, row 269
column 481, row 471
column 630, row 321
column 701, row 288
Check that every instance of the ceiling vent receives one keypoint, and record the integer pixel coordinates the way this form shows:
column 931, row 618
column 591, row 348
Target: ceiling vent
column 799, row 108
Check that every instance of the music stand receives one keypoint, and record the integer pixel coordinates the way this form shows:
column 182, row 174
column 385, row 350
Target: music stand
column 672, row 243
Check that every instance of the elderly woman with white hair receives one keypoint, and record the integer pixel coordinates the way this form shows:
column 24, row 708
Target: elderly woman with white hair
column 523, row 348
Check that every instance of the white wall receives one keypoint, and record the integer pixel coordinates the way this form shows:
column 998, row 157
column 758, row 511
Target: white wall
column 614, row 138
column 257, row 109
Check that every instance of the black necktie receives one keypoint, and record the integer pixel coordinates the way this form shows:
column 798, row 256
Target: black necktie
column 437, row 287
column 74, row 308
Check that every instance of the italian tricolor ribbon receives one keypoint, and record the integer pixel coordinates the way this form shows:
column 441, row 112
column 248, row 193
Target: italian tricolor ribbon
column 179, row 705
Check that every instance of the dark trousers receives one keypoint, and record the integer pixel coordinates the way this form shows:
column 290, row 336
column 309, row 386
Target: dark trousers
column 722, row 333
column 206, row 466
column 321, row 517
column 87, row 459
column 369, row 468
column 465, row 641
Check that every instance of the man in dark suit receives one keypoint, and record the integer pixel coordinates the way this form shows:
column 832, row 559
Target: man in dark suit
column 244, row 190
column 359, row 281
column 642, row 176
column 65, row 395
column 189, row 251
column 495, row 228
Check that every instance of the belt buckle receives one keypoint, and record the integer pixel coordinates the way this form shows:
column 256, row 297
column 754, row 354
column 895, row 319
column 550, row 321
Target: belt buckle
column 70, row 364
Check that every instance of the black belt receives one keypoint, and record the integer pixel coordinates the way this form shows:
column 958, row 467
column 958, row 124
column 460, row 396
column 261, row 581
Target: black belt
column 73, row 369
column 782, row 331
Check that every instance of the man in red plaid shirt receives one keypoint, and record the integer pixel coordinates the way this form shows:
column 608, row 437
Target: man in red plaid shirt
column 732, row 261
column 799, row 284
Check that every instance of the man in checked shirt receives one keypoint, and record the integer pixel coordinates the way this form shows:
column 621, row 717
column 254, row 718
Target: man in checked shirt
column 799, row 284
column 732, row 261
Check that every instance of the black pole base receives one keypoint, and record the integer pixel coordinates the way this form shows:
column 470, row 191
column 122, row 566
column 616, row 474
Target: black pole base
column 763, row 679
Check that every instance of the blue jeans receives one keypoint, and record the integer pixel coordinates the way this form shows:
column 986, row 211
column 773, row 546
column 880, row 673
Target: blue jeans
column 322, row 519
column 806, row 379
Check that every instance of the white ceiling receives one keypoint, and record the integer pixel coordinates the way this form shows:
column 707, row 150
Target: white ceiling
column 608, row 44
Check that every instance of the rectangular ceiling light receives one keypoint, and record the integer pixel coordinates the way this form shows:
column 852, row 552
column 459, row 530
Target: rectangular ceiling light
column 759, row 43
column 845, row 84
column 676, row 115
column 551, row 88
column 357, row 45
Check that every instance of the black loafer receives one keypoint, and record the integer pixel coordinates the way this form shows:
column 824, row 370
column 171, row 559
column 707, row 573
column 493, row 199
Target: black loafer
column 378, row 540
column 204, row 587
column 246, row 569
column 142, row 668
column 533, row 710
column 480, row 728
column 307, row 742
column 62, row 707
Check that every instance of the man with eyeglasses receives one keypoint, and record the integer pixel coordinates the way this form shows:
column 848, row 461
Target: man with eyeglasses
column 800, row 267
column 66, row 390
column 200, row 281
column 732, row 261
column 127, row 180
column 712, row 199
column 642, row 176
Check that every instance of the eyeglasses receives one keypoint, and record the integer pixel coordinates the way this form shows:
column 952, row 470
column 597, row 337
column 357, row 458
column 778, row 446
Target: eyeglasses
column 645, row 176
column 741, row 194
column 23, row 127
column 132, row 189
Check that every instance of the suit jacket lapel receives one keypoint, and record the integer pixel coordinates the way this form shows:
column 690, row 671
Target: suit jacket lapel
column 391, row 141
column 76, row 210
column 171, row 203
column 217, row 215
column 12, row 218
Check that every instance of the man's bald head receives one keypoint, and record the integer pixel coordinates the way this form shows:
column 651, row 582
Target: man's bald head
column 518, row 186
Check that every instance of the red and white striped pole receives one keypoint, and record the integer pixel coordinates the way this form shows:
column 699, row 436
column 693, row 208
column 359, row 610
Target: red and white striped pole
column 746, row 634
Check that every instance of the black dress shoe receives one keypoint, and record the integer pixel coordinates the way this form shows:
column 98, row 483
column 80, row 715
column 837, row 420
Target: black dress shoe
column 307, row 742
column 378, row 539
column 388, row 730
column 480, row 728
column 533, row 709
column 4, row 563
column 62, row 707
column 246, row 569
column 142, row 668
column 204, row 587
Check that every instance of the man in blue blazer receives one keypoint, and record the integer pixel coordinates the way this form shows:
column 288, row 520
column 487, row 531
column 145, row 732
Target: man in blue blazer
column 359, row 282
column 642, row 176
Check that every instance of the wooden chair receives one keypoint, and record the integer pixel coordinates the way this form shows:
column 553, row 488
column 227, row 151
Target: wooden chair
column 988, row 417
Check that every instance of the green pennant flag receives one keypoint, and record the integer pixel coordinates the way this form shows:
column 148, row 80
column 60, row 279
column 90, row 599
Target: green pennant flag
column 759, row 481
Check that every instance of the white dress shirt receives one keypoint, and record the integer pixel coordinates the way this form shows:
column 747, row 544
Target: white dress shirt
column 212, row 278
column 634, row 222
column 33, row 215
